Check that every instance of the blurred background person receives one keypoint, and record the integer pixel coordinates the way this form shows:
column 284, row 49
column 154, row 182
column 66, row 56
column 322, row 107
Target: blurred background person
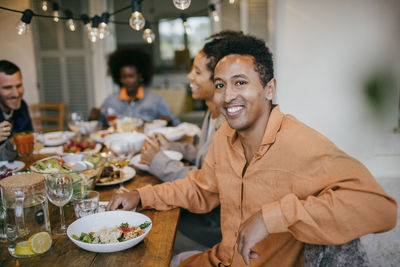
column 131, row 69
column 207, row 226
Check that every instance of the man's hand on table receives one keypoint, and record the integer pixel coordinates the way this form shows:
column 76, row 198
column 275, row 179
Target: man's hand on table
column 252, row 231
column 128, row 201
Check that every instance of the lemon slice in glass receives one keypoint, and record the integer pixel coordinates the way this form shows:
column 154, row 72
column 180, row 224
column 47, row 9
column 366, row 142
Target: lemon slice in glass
column 40, row 242
column 22, row 248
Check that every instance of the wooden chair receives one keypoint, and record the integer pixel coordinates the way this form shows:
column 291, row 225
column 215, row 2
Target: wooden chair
column 48, row 117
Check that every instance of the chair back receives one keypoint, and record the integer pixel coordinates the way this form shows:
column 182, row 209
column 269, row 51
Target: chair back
column 48, row 117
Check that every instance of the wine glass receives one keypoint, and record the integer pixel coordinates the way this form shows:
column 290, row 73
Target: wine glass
column 75, row 122
column 120, row 148
column 59, row 191
column 111, row 116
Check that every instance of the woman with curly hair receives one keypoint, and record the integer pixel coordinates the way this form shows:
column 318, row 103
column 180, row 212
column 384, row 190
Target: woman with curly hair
column 131, row 69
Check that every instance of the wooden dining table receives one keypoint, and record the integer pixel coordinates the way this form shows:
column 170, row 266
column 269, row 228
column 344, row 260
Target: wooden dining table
column 155, row 250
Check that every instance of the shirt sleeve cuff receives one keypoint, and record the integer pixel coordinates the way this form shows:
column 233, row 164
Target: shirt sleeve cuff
column 273, row 218
column 146, row 196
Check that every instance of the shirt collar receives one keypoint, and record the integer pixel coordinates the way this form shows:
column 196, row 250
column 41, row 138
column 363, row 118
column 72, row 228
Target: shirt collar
column 273, row 126
column 123, row 94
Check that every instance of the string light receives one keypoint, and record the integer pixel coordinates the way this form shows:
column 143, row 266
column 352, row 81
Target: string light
column 181, row 4
column 94, row 31
column 86, row 22
column 23, row 25
column 70, row 22
column 214, row 13
column 56, row 12
column 44, row 5
column 231, row 2
column 136, row 20
column 148, row 34
column 103, row 26
column 186, row 24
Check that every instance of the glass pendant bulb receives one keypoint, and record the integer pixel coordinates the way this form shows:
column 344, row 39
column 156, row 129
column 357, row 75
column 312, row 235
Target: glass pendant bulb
column 86, row 22
column 94, row 35
column 56, row 14
column 137, row 21
column 186, row 25
column 23, row 25
column 214, row 13
column 44, row 5
column 103, row 30
column 71, row 25
column 181, row 4
column 22, row 28
column 231, row 2
column 148, row 35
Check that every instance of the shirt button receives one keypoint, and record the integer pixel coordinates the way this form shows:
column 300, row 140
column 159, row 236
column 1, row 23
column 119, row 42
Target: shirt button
column 236, row 234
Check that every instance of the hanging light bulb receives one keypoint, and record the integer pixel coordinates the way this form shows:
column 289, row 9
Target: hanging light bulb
column 104, row 31
column 94, row 30
column 70, row 22
column 231, row 2
column 136, row 20
column 186, row 24
column 56, row 12
column 148, row 34
column 86, row 22
column 23, row 25
column 181, row 4
column 44, row 5
column 214, row 13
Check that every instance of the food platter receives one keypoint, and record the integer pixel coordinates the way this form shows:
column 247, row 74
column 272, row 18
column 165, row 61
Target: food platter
column 128, row 172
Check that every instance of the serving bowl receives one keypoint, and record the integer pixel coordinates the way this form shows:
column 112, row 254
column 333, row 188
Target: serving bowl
column 94, row 222
column 135, row 140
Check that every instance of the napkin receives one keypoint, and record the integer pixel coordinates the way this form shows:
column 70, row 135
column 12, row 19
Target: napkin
column 189, row 128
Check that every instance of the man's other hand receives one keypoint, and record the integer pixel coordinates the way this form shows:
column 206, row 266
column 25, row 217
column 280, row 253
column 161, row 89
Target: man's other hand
column 5, row 130
column 252, row 231
column 128, row 201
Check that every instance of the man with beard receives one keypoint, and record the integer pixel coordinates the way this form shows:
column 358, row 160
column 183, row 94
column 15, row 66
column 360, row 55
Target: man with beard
column 14, row 115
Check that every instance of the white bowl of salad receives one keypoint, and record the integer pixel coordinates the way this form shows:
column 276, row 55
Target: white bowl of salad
column 109, row 231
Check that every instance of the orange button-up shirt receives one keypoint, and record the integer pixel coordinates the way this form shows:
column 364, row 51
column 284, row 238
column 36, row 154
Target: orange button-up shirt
column 308, row 190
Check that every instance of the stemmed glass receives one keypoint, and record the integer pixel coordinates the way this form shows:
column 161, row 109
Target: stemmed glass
column 75, row 122
column 59, row 191
column 121, row 151
column 111, row 116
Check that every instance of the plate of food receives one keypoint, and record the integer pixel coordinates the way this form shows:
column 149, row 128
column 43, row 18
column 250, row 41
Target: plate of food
column 112, row 175
column 75, row 146
column 11, row 165
column 57, row 138
column 137, row 162
column 171, row 133
column 100, row 136
column 109, row 231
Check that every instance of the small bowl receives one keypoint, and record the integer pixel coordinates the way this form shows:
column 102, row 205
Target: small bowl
column 135, row 140
column 94, row 222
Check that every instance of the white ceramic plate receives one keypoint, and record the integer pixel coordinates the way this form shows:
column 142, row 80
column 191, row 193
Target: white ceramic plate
column 135, row 161
column 171, row 133
column 15, row 165
column 129, row 174
column 94, row 222
column 57, row 138
column 96, row 136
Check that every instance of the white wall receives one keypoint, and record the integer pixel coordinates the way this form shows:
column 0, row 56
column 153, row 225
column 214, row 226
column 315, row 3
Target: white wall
column 18, row 49
column 324, row 52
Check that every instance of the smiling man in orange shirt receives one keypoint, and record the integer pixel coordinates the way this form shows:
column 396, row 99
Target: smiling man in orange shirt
column 280, row 184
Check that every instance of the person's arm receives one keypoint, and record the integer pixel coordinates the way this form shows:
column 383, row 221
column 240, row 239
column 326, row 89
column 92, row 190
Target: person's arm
column 168, row 169
column 8, row 150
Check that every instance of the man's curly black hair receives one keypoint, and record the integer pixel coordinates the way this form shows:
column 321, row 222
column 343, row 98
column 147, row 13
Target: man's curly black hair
column 130, row 57
column 210, row 49
column 251, row 46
